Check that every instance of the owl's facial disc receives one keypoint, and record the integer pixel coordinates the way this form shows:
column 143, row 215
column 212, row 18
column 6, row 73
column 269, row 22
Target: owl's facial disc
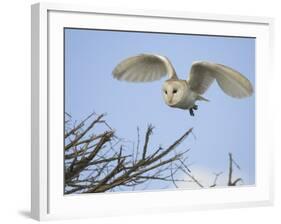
column 172, row 92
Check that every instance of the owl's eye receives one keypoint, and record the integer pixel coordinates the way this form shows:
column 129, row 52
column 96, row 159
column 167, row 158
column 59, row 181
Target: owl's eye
column 175, row 91
column 165, row 91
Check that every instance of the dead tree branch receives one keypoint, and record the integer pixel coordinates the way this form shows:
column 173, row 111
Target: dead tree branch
column 216, row 178
column 230, row 172
column 98, row 161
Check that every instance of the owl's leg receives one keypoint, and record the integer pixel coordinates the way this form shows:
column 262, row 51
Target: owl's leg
column 191, row 112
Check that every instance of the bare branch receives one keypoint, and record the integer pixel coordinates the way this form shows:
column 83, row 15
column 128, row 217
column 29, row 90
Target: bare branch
column 230, row 172
column 99, row 161
column 75, row 141
column 91, row 165
column 147, row 135
column 216, row 178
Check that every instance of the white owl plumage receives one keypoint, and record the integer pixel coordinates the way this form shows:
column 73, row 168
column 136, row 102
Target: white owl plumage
column 183, row 93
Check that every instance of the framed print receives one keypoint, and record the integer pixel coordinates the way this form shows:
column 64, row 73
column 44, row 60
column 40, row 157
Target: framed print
column 148, row 111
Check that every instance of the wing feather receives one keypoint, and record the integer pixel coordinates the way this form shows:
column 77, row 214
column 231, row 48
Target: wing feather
column 144, row 68
column 232, row 82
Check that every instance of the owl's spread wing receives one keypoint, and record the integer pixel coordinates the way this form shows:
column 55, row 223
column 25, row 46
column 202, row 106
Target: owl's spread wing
column 144, row 68
column 232, row 82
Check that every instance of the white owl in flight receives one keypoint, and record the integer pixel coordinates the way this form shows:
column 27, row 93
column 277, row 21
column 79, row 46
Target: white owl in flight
column 181, row 93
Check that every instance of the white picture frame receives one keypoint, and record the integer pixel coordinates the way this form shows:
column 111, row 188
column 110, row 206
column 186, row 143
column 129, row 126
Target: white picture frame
column 48, row 201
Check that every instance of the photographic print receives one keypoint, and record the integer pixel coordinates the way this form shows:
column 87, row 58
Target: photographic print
column 147, row 111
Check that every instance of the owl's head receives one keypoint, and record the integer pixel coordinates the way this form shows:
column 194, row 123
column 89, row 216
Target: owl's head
column 174, row 92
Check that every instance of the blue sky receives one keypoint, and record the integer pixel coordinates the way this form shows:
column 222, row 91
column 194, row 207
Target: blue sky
column 221, row 126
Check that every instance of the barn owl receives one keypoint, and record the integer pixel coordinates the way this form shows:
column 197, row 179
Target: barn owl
column 179, row 93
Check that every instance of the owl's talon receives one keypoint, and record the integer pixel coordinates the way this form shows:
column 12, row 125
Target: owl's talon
column 191, row 112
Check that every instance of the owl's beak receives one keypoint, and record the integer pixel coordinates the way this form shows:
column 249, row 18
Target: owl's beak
column 170, row 100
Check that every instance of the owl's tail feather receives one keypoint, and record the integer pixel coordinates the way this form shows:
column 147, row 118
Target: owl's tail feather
column 202, row 98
